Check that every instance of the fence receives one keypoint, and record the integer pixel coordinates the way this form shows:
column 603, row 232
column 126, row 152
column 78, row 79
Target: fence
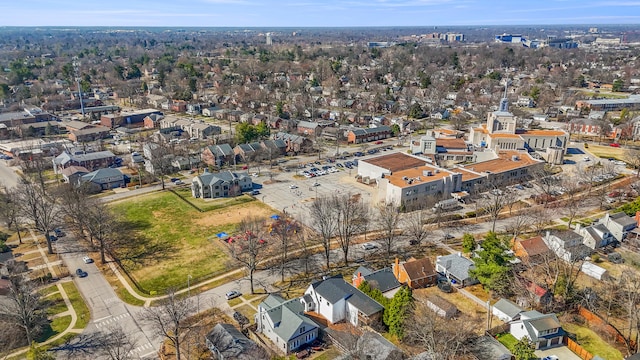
column 577, row 349
column 596, row 321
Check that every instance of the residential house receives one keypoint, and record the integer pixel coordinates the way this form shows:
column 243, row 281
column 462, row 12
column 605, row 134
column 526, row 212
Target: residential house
column 88, row 134
column 360, row 135
column 595, row 236
column 210, row 111
column 530, row 250
column 295, row 143
column 133, row 118
column 273, row 149
column 373, row 346
column 506, row 310
column 202, row 130
column 73, row 173
column 456, row 268
column 248, row 152
column 222, row 184
column 185, row 162
column 284, row 323
column 337, row 301
column 91, row 161
column 441, row 307
column 415, row 273
column 382, row 280
column 309, row 128
column 619, row 224
column 525, row 101
column 39, row 129
column 103, row 179
column 217, row 155
column 534, row 296
column 488, row 348
column 544, row 330
column 152, row 121
column 226, row 342
column 566, row 244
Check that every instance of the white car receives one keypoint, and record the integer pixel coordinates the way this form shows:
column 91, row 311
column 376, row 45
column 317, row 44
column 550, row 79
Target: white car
column 369, row 246
column 87, row 260
column 293, row 186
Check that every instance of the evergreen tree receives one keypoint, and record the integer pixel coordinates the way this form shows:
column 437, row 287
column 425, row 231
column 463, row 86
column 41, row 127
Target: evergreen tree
column 396, row 313
column 492, row 267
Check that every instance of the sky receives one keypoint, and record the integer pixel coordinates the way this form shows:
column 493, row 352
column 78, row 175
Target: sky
column 315, row 13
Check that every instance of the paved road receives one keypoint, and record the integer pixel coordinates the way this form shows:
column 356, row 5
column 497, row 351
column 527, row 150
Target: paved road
column 105, row 306
column 8, row 176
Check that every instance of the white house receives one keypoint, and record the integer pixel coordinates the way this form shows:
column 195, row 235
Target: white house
column 619, row 224
column 595, row 236
column 337, row 301
column 456, row 268
column 566, row 244
column 506, row 310
column 284, row 323
column 544, row 330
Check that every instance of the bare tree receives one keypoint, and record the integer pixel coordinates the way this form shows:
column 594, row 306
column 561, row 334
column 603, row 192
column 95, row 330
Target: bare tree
column 388, row 217
column 10, row 211
column 629, row 285
column 494, row 203
column 440, row 338
column 38, row 206
column 283, row 231
column 23, row 306
column 248, row 246
column 323, row 218
column 414, row 226
column 169, row 319
column 352, row 218
column 632, row 157
column 572, row 202
column 115, row 344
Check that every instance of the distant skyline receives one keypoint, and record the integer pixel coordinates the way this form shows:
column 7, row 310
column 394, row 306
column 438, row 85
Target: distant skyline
column 315, row 13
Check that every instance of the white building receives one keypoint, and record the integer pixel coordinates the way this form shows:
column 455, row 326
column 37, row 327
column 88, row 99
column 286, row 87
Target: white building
column 544, row 330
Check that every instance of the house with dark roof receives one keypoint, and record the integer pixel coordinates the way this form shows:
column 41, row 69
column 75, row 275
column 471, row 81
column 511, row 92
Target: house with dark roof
column 217, row 155
column 226, row 342
column 364, row 135
column 73, row 173
column 544, row 330
column 619, row 224
column 284, row 323
column 91, row 161
column 336, row 300
column 382, row 279
column 488, row 348
column 441, row 307
column 456, row 268
column 249, row 152
column 103, row 179
column 415, row 273
column 222, row 184
column 309, row 128
column 506, row 310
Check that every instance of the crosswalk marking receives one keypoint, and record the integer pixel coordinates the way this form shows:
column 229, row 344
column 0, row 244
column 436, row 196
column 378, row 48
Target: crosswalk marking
column 112, row 319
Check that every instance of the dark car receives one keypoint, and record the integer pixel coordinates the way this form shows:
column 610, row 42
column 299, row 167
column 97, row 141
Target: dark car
column 444, row 285
column 59, row 232
column 53, row 238
column 81, row 273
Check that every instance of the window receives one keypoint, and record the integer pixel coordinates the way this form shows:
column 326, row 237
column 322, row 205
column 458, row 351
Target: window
column 301, row 330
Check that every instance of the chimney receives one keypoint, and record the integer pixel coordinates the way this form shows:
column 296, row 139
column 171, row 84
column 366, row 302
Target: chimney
column 396, row 268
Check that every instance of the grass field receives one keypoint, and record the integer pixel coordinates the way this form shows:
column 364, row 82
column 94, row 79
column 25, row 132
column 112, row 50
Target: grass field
column 593, row 343
column 178, row 239
column 605, row 151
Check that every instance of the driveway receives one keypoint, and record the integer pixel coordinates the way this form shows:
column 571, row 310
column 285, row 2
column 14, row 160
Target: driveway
column 562, row 352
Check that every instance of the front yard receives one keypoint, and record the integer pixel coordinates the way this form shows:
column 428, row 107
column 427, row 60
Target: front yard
column 176, row 240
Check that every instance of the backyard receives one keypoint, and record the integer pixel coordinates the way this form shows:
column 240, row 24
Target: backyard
column 606, row 152
column 174, row 233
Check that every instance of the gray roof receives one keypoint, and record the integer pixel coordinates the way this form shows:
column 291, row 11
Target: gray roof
column 596, row 230
column 308, row 124
column 507, row 307
column 487, row 348
column 286, row 315
column 289, row 137
column 221, row 150
column 334, row 289
column 456, row 265
column 622, row 219
column 98, row 175
column 65, row 157
column 383, row 280
column 232, row 344
column 566, row 235
column 364, row 271
column 208, row 178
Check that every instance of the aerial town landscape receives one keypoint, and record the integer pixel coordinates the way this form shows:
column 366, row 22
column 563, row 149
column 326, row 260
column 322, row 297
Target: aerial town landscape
column 384, row 193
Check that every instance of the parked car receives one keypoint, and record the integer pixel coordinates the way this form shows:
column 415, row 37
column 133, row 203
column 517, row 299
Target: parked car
column 53, row 238
column 87, row 260
column 255, row 192
column 179, row 182
column 174, row 179
column 293, row 186
column 444, row 285
column 59, row 232
column 369, row 246
column 232, row 295
column 614, row 145
column 81, row 273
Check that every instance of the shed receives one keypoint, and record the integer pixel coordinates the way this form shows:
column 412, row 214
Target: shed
column 441, row 307
column 594, row 270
